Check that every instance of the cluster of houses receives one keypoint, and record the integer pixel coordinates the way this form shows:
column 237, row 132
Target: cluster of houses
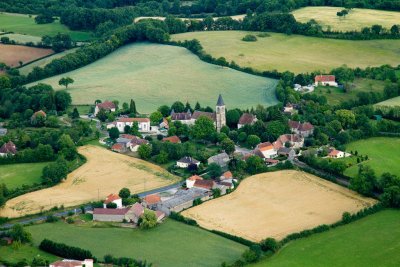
column 127, row 142
column 319, row 80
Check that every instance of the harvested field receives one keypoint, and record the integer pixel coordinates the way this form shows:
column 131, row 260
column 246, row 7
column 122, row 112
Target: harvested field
column 22, row 38
column 236, row 17
column 277, row 204
column 392, row 102
column 13, row 54
column 105, row 172
column 357, row 18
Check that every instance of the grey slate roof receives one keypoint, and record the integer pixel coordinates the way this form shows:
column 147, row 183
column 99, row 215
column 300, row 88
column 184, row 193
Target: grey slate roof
column 220, row 101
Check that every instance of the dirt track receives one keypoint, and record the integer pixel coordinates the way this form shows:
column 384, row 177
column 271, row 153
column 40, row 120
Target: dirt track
column 277, row 204
column 105, row 172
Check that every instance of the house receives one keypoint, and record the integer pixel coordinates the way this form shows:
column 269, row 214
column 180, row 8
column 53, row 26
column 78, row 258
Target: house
column 107, row 106
column 131, row 141
column 246, row 119
column 8, row 149
column 271, row 162
column 143, row 124
column 205, row 184
column 110, row 215
column 191, row 180
column 294, row 141
column 72, row 263
column 3, row 131
column 163, row 125
column 337, row 154
column 159, row 215
column 134, row 213
column 186, row 161
column 113, row 198
column 226, row 176
column 289, row 109
column 287, row 152
column 305, row 129
column 173, row 139
column 221, row 159
column 119, row 147
column 151, row 201
column 265, row 150
column 325, row 80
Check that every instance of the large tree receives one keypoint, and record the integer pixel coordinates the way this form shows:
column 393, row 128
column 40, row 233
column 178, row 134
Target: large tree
column 65, row 81
column 203, row 128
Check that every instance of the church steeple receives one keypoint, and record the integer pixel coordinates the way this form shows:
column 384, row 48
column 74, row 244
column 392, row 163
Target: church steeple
column 220, row 115
column 220, row 101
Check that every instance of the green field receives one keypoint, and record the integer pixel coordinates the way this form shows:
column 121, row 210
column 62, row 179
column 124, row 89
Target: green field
column 383, row 155
column 336, row 95
column 154, row 75
column 24, row 24
column 356, row 19
column 371, row 241
column 170, row 244
column 27, row 252
column 395, row 101
column 16, row 175
column 25, row 70
column 22, row 38
column 295, row 53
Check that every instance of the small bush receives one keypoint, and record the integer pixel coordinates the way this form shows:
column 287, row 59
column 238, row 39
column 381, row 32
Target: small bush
column 51, row 218
column 70, row 220
column 263, row 35
column 249, row 38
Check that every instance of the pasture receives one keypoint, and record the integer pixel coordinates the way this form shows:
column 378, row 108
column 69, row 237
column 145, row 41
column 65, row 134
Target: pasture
column 22, row 38
column 154, row 75
column 336, row 95
column 371, row 241
column 383, row 155
column 105, row 172
column 16, row 175
column 169, row 244
column 295, row 53
column 25, row 24
column 278, row 203
column 25, row 70
column 357, row 18
column 392, row 102
column 12, row 55
column 14, row 255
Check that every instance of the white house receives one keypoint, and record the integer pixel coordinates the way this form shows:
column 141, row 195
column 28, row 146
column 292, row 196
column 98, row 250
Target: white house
column 107, row 106
column 266, row 150
column 143, row 124
column 191, row 180
column 186, row 161
column 72, row 263
column 337, row 154
column 325, row 80
column 113, row 198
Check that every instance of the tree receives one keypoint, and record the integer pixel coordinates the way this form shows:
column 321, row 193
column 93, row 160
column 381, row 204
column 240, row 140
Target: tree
column 65, row 81
column 124, row 193
column 156, row 117
column 346, row 117
column 67, row 147
column 255, row 165
column 114, row 133
column 253, row 140
column 232, row 118
column 365, row 181
column 144, row 151
column 62, row 100
column 18, row 233
column 269, row 244
column 203, row 128
column 132, row 107
column 228, row 145
column 102, row 115
column 5, row 82
column 55, row 171
column 75, row 114
column 148, row 219
column 165, row 110
column 111, row 205
column 214, row 170
column 178, row 107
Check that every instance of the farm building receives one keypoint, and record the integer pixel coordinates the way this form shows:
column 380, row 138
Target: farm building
column 134, row 213
column 246, row 119
column 305, row 129
column 205, row 184
column 191, row 180
column 183, row 199
column 72, row 263
column 8, row 149
column 221, row 159
column 266, row 150
column 110, row 215
column 186, row 161
column 173, row 139
column 325, row 80
column 107, row 106
column 113, row 198
column 151, row 201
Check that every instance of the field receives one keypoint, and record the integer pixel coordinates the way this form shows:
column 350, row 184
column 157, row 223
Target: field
column 22, row 38
column 154, row 75
column 383, row 155
column 24, row 24
column 169, row 244
column 104, row 173
column 236, row 17
column 371, row 241
column 278, row 203
column 294, row 52
column 356, row 19
column 25, row 70
column 16, row 175
column 336, row 95
column 11, row 55
column 390, row 102
column 24, row 252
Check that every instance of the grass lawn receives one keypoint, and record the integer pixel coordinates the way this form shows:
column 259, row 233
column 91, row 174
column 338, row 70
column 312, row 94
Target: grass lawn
column 16, row 175
column 395, row 101
column 28, row 252
column 169, row 244
column 154, row 74
column 22, row 38
column 371, row 241
column 336, row 95
column 295, row 53
column 356, row 19
column 19, row 23
column 383, row 155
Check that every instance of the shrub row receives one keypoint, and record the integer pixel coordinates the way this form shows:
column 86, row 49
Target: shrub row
column 65, row 251
column 180, row 218
column 235, row 238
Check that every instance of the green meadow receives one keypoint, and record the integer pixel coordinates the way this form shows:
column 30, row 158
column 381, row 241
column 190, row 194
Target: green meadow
column 16, row 175
column 154, row 74
column 371, row 241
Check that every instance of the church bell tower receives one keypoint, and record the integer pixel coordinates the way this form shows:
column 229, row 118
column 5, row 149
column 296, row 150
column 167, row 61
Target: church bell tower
column 220, row 113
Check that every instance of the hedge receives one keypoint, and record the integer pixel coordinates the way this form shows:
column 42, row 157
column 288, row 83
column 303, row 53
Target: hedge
column 65, row 251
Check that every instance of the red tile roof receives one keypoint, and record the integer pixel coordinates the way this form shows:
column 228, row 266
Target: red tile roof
column 40, row 112
column 206, row 184
column 152, row 199
column 117, row 147
column 70, row 263
column 265, row 146
column 128, row 136
column 194, row 178
column 173, row 139
column 334, row 152
column 247, row 118
column 110, row 198
column 324, row 78
column 108, row 105
column 102, row 211
column 8, row 148
column 227, row 175
column 306, row 126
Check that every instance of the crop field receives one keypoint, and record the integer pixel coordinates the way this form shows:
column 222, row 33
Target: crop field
column 356, row 19
column 278, row 203
column 22, row 38
column 383, row 155
column 25, row 24
column 16, row 175
column 105, row 172
column 395, row 101
column 154, row 75
column 169, row 244
column 295, row 53
column 235, row 17
column 371, row 241
column 336, row 95
column 11, row 55
column 25, row 70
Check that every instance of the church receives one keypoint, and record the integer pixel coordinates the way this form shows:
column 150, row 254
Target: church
column 189, row 118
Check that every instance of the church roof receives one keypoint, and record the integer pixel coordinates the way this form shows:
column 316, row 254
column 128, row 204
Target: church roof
column 220, row 101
